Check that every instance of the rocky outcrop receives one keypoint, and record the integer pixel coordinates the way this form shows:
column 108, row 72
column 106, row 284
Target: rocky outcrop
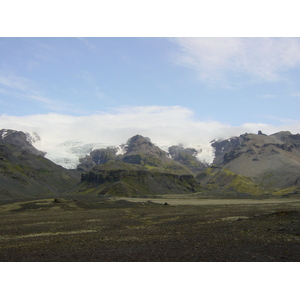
column 97, row 157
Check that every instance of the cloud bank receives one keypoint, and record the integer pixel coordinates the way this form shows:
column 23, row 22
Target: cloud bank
column 164, row 125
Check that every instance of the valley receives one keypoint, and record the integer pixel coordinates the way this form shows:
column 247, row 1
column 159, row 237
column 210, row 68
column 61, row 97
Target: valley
column 162, row 228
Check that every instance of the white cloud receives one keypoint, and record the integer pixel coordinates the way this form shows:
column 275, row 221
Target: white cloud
column 262, row 59
column 164, row 125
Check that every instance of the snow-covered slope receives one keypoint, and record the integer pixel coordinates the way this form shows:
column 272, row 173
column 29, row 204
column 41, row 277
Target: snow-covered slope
column 68, row 153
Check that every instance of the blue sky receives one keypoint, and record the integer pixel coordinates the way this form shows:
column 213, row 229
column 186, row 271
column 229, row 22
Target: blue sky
column 174, row 90
column 229, row 80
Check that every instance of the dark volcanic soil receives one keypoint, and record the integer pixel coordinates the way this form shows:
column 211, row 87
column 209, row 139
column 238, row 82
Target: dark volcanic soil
column 100, row 229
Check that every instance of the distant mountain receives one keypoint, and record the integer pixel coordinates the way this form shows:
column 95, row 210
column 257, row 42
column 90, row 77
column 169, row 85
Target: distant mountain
column 143, row 168
column 141, row 151
column 255, row 163
column 25, row 172
column 84, row 156
column 249, row 165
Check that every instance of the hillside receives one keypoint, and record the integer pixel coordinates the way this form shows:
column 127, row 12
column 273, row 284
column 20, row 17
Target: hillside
column 271, row 162
column 124, row 179
column 25, row 172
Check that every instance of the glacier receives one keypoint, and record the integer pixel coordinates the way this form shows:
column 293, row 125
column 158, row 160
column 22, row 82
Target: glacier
column 68, row 153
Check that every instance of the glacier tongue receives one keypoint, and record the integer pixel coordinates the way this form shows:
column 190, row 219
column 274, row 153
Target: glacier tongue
column 67, row 154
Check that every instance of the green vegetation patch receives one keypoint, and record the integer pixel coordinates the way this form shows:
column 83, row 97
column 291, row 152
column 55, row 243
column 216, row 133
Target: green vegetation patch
column 226, row 181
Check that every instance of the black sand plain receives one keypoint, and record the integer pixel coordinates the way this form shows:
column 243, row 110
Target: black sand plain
column 171, row 228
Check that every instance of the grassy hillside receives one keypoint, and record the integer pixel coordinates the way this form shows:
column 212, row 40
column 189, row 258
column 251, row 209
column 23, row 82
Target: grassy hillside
column 25, row 175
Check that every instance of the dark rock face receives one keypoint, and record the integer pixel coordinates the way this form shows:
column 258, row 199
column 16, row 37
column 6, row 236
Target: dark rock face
column 136, row 182
column 97, row 157
column 224, row 147
column 140, row 143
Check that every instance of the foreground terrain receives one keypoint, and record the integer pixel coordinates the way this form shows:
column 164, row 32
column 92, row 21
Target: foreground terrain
column 166, row 228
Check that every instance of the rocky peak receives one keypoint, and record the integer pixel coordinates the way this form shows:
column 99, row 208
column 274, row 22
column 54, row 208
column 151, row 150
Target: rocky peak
column 176, row 151
column 142, row 145
column 97, row 157
column 225, row 146
column 20, row 139
column 138, row 142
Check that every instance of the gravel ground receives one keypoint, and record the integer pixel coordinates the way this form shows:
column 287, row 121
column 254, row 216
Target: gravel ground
column 98, row 229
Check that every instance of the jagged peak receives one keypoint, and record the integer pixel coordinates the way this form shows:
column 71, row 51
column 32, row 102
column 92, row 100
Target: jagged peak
column 137, row 142
column 138, row 139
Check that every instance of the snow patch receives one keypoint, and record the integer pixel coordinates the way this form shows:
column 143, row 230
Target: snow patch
column 4, row 134
column 121, row 150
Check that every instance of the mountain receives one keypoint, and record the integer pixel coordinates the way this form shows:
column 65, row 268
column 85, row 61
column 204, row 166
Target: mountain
column 142, row 169
column 255, row 163
column 247, row 165
column 73, row 154
column 141, row 151
column 25, row 172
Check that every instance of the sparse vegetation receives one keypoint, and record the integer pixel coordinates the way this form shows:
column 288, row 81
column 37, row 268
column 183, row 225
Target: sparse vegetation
column 161, row 228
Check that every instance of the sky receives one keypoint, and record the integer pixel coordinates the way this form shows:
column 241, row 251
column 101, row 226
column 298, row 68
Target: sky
column 229, row 80
column 158, row 82
column 173, row 90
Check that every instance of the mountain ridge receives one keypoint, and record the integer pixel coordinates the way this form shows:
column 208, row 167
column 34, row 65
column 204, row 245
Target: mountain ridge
column 249, row 164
